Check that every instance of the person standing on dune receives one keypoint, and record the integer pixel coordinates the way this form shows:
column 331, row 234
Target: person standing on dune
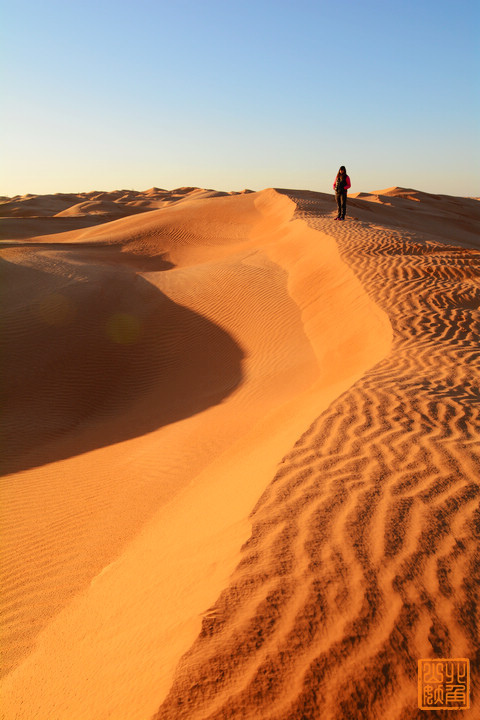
column 341, row 185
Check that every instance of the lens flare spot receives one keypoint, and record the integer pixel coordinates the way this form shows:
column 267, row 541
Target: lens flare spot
column 123, row 328
column 56, row 309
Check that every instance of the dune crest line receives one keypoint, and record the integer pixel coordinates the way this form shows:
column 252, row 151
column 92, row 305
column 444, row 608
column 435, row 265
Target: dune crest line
column 364, row 554
column 125, row 616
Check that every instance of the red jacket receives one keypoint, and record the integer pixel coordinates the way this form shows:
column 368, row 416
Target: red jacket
column 348, row 185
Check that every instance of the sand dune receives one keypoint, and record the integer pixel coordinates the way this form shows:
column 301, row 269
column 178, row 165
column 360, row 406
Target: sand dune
column 241, row 467
column 108, row 208
column 28, row 217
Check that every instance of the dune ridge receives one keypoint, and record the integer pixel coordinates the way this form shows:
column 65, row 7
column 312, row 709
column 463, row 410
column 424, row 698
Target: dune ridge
column 364, row 551
column 197, row 573
column 107, row 483
column 28, row 217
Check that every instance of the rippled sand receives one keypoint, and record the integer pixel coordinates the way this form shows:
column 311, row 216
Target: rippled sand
column 241, row 452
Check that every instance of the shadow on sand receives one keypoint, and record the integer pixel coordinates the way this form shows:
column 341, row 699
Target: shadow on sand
column 96, row 354
column 23, row 228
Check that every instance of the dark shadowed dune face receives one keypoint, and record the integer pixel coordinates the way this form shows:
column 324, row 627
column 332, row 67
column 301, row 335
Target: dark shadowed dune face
column 96, row 347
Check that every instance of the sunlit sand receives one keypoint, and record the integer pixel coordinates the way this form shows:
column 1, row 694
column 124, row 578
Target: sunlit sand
column 240, row 460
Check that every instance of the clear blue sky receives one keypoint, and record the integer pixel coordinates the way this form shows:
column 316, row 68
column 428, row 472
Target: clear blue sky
column 108, row 94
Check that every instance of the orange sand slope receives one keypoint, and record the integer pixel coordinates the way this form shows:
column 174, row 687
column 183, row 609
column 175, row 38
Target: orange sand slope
column 159, row 368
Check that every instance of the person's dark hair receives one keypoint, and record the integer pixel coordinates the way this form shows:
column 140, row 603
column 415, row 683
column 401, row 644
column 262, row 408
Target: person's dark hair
column 342, row 169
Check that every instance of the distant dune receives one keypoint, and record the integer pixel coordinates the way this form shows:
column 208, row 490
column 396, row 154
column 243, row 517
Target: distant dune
column 240, row 453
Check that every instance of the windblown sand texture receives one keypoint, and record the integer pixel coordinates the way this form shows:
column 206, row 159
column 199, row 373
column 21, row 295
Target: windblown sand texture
column 240, row 453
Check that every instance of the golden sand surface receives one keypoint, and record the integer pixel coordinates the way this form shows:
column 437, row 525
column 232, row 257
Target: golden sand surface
column 240, row 453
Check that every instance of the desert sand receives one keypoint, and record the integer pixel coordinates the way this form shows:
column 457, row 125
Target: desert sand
column 239, row 453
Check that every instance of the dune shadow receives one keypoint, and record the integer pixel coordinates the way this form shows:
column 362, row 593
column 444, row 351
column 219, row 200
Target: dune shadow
column 99, row 253
column 101, row 358
column 25, row 227
column 21, row 228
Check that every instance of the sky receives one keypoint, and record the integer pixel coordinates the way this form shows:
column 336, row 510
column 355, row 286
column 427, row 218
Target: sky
column 223, row 94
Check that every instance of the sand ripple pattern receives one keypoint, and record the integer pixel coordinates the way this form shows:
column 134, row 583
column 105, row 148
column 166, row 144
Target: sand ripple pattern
column 364, row 551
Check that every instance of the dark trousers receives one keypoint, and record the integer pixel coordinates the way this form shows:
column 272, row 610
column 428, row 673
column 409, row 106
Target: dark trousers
column 341, row 199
